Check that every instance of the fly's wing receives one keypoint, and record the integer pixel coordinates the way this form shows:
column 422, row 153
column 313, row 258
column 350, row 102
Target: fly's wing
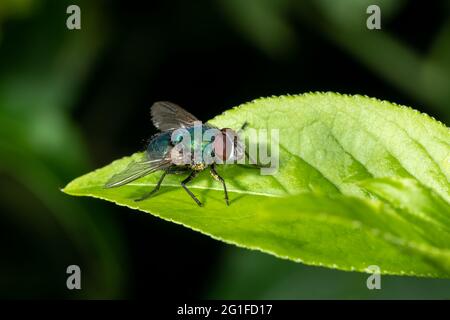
column 169, row 116
column 136, row 170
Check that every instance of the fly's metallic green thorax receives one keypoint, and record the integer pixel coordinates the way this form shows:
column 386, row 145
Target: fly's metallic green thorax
column 205, row 146
column 161, row 144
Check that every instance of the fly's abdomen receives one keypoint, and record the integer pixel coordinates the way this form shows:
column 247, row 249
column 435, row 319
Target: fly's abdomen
column 159, row 146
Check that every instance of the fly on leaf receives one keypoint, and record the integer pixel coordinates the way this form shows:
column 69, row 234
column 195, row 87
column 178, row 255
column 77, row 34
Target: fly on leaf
column 184, row 145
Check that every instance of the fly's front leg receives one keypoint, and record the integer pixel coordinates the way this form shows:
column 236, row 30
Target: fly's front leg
column 216, row 176
column 185, row 181
column 158, row 185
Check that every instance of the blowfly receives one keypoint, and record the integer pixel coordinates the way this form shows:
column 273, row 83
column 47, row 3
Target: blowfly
column 164, row 153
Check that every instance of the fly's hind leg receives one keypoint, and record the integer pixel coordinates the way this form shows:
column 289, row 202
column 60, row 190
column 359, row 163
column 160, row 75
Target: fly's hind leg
column 216, row 176
column 185, row 181
column 158, row 185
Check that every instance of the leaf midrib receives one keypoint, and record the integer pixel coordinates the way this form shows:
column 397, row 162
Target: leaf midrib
column 171, row 185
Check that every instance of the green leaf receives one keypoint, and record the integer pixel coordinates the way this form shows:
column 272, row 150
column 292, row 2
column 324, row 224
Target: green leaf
column 361, row 182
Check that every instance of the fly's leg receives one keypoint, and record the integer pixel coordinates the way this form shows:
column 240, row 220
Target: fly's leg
column 216, row 176
column 185, row 181
column 158, row 185
column 252, row 162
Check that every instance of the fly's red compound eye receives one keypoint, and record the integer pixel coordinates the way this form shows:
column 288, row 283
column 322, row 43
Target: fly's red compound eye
column 224, row 144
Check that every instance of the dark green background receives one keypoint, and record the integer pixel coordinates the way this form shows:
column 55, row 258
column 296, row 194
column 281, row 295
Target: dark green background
column 72, row 101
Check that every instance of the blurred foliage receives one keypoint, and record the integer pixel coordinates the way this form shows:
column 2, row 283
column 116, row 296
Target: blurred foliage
column 46, row 71
column 40, row 146
column 423, row 76
column 16, row 8
column 264, row 23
